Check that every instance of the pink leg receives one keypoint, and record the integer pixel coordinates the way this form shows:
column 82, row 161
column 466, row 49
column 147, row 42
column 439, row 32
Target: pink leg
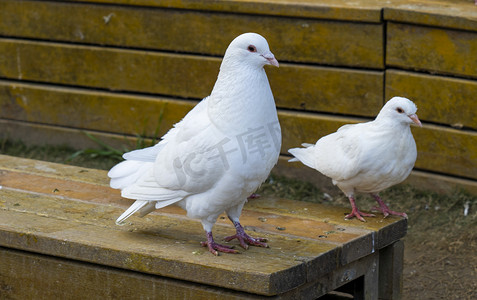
column 385, row 209
column 214, row 247
column 244, row 239
column 253, row 196
column 355, row 211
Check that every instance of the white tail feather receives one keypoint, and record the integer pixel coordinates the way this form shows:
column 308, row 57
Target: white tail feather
column 305, row 155
column 132, row 209
column 127, row 172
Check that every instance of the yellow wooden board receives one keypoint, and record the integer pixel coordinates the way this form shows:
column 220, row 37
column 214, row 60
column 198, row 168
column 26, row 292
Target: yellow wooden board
column 294, row 86
column 40, row 134
column 442, row 51
column 74, row 219
column 446, row 150
column 458, row 14
column 201, row 32
column 46, row 277
column 440, row 149
column 324, row 89
column 442, row 100
column 439, row 183
column 91, row 110
column 365, row 11
column 111, row 69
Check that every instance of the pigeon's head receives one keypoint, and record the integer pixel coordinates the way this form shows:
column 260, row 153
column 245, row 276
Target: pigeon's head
column 250, row 49
column 401, row 110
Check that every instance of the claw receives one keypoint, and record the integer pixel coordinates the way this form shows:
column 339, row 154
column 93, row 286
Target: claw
column 215, row 248
column 244, row 239
column 385, row 209
column 359, row 215
column 253, row 196
column 356, row 213
column 386, row 212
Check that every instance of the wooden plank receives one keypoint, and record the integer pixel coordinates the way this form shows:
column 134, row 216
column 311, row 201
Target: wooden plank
column 51, row 277
column 442, row 51
column 376, row 236
column 440, row 149
column 291, row 39
column 367, row 11
column 27, row 275
column 439, row 183
column 446, row 150
column 93, row 186
column 75, row 219
column 360, row 275
column 457, row 14
column 439, row 99
column 391, row 263
column 56, row 171
column 40, row 134
column 334, row 90
column 113, row 69
column 294, row 86
column 91, row 110
column 174, row 252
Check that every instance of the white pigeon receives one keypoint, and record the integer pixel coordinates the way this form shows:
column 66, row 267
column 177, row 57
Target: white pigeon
column 367, row 157
column 219, row 154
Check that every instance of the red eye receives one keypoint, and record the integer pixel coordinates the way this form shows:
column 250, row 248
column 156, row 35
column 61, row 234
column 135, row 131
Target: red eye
column 399, row 110
column 252, row 48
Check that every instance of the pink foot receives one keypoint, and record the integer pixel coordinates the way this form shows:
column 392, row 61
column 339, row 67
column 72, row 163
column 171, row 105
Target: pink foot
column 385, row 209
column 386, row 212
column 358, row 214
column 244, row 239
column 355, row 211
column 215, row 248
column 254, row 196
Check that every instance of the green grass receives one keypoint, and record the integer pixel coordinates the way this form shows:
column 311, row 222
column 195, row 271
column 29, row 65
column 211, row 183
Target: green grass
column 60, row 154
column 289, row 188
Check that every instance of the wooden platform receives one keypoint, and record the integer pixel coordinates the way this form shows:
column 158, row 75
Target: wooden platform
column 58, row 239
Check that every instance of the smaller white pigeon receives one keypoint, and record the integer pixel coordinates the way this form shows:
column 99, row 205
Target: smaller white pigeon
column 367, row 157
column 218, row 155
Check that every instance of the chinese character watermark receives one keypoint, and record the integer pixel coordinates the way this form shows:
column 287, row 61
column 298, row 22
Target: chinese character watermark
column 253, row 141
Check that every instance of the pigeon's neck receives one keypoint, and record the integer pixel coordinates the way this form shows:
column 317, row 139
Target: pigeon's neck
column 386, row 120
column 394, row 131
column 241, row 98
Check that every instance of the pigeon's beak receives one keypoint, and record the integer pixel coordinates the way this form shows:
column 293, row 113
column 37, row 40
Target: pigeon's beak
column 415, row 120
column 271, row 59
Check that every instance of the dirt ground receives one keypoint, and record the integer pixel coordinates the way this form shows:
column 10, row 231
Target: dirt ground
column 440, row 263
column 445, row 268
column 440, row 247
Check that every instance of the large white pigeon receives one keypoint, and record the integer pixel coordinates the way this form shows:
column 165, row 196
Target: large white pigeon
column 219, row 154
column 367, row 157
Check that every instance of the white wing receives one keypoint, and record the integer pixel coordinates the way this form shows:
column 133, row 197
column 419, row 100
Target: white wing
column 336, row 155
column 184, row 164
